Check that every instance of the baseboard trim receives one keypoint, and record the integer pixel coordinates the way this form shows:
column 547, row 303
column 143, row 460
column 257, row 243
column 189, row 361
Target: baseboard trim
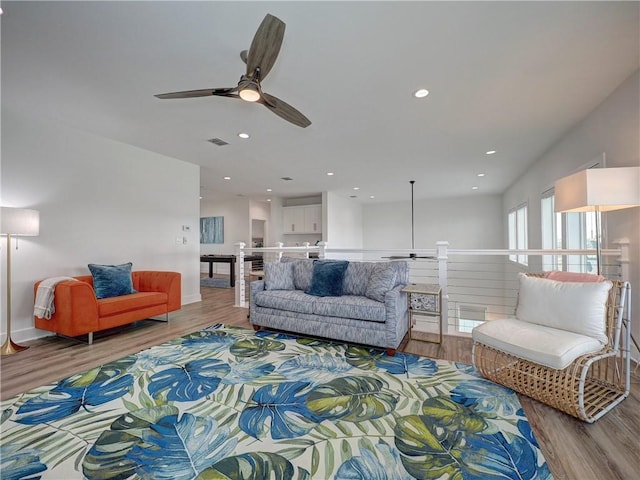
column 196, row 297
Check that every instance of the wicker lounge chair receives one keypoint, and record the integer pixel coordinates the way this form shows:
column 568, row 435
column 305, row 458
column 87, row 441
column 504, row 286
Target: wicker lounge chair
column 590, row 386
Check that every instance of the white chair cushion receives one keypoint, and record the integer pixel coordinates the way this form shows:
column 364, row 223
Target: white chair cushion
column 576, row 307
column 537, row 343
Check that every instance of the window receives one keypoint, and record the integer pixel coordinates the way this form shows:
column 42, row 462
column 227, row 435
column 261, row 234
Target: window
column 575, row 231
column 551, row 232
column 567, row 231
column 517, row 224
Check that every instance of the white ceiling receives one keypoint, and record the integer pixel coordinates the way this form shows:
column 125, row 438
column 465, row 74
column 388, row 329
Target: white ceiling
column 509, row 76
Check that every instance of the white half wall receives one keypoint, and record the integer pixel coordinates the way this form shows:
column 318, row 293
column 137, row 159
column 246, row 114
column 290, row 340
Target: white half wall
column 471, row 222
column 100, row 201
column 613, row 128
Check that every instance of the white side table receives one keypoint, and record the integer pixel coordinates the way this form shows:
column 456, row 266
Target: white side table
column 425, row 299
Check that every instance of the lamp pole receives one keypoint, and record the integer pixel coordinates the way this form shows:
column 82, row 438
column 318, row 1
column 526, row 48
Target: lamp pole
column 9, row 347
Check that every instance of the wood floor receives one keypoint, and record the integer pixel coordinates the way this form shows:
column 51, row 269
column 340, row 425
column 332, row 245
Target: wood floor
column 608, row 449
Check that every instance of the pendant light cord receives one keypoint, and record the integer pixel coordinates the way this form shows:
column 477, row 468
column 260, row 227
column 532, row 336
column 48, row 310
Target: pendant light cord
column 413, row 236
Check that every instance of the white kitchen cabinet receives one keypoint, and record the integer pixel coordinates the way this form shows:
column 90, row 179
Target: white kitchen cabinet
column 313, row 219
column 302, row 219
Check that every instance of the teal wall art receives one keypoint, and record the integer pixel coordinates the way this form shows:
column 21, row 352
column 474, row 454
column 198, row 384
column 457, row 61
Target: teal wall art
column 212, row 230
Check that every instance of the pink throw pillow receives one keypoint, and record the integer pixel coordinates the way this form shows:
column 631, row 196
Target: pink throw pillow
column 573, row 277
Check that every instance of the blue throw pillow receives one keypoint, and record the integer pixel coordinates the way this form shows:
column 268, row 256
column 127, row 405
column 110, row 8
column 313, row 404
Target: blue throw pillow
column 327, row 277
column 112, row 280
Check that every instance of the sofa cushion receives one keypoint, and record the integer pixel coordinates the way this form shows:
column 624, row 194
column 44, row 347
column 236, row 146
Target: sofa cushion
column 111, row 280
column 571, row 306
column 278, row 276
column 125, row 303
column 382, row 279
column 401, row 267
column 327, row 278
column 302, row 271
column 356, row 278
column 537, row 343
column 289, row 300
column 350, row 306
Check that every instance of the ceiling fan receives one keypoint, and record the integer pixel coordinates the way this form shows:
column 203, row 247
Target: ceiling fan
column 260, row 58
column 412, row 255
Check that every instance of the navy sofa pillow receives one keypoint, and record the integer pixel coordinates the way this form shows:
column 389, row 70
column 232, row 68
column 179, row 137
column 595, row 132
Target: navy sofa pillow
column 327, row 277
column 112, row 280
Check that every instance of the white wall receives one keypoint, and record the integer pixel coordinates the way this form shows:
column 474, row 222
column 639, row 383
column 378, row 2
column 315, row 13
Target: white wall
column 613, row 128
column 237, row 226
column 474, row 221
column 100, row 201
column 342, row 221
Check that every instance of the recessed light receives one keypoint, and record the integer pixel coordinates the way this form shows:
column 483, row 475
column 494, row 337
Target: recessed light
column 268, row 199
column 421, row 93
column 269, row 190
column 356, row 188
column 227, row 178
column 200, row 197
column 481, row 174
column 372, row 196
column 491, row 152
column 330, row 174
column 474, row 188
column 243, row 135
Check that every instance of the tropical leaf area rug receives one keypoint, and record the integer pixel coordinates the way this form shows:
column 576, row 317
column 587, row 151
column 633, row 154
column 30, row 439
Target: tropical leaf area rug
column 216, row 282
column 228, row 403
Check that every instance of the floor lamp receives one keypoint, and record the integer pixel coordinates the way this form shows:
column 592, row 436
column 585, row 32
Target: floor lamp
column 15, row 222
column 599, row 190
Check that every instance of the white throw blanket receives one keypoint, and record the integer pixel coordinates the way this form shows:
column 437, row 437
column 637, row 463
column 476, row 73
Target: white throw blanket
column 44, row 306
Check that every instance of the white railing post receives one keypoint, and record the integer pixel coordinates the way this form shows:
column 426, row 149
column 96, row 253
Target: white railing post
column 443, row 258
column 322, row 251
column 306, row 252
column 623, row 246
column 240, row 283
column 279, row 254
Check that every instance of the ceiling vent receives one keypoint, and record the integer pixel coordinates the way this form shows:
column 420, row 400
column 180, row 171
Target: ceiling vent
column 218, row 141
column 286, row 179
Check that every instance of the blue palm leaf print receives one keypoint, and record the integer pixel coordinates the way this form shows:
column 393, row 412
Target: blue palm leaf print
column 208, row 339
column 19, row 463
column 175, row 449
column 284, row 406
column 247, row 371
column 485, row 396
column 67, row 398
column 195, row 380
column 316, row 366
column 368, row 466
column 402, row 363
column 491, row 456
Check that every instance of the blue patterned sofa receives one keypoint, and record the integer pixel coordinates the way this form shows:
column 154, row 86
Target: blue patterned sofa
column 372, row 309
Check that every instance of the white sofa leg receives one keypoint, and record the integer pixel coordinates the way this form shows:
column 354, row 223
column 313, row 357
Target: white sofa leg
column 90, row 338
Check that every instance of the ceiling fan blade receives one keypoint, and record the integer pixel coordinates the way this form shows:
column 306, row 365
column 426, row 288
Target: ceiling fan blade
column 205, row 92
column 243, row 56
column 411, row 256
column 265, row 45
column 284, row 110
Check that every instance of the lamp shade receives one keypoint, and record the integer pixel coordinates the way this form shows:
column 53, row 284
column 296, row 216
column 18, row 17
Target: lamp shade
column 19, row 221
column 602, row 189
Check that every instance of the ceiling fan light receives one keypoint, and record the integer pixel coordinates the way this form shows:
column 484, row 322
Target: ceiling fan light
column 249, row 93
